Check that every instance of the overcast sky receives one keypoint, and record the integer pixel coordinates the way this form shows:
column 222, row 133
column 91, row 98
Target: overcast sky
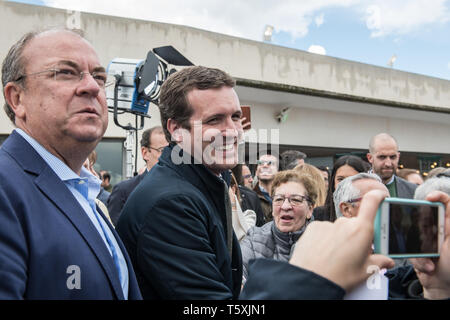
column 417, row 32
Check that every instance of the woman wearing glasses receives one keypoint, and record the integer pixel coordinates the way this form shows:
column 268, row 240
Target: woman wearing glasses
column 293, row 198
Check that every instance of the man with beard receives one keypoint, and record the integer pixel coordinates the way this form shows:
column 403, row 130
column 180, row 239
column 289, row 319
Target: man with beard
column 265, row 172
column 384, row 156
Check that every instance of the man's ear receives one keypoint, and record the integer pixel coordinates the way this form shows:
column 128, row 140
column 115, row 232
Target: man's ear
column 14, row 96
column 145, row 153
column 175, row 130
column 345, row 209
column 369, row 157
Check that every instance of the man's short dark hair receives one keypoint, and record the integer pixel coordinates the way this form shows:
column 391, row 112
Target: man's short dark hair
column 289, row 158
column 147, row 135
column 173, row 102
column 106, row 175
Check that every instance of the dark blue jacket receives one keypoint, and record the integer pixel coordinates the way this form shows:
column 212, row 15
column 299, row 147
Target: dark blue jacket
column 44, row 231
column 174, row 228
column 271, row 279
column 120, row 194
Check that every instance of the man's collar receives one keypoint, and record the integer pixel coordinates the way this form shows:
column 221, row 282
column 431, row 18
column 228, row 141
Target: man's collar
column 391, row 180
column 262, row 189
column 63, row 172
column 59, row 167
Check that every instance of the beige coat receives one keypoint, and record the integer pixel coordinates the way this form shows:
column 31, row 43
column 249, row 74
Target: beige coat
column 242, row 221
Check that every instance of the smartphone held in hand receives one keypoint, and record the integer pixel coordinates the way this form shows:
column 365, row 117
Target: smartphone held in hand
column 406, row 228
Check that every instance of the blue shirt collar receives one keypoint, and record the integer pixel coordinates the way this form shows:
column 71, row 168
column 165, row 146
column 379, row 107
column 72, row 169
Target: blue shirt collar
column 63, row 171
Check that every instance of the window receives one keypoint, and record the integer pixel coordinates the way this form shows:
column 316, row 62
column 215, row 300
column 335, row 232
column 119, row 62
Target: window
column 110, row 157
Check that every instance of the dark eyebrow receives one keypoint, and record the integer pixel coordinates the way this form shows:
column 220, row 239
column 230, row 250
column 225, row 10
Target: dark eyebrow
column 216, row 115
column 76, row 66
column 99, row 69
column 69, row 63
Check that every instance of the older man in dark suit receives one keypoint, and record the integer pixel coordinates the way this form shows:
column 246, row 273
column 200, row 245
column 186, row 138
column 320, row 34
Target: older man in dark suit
column 55, row 243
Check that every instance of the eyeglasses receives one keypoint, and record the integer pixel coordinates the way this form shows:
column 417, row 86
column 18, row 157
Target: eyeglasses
column 262, row 162
column 157, row 149
column 72, row 75
column 443, row 174
column 294, row 200
column 247, row 176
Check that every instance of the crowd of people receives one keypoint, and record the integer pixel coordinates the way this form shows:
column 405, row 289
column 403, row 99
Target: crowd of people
column 194, row 224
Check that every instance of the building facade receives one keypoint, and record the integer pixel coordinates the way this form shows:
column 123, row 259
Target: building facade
column 320, row 105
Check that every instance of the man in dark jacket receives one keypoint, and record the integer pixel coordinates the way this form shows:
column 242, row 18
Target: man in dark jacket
column 249, row 198
column 250, row 201
column 55, row 242
column 153, row 142
column 177, row 225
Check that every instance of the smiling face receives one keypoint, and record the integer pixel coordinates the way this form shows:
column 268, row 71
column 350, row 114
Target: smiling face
column 288, row 217
column 267, row 168
column 60, row 114
column 215, row 127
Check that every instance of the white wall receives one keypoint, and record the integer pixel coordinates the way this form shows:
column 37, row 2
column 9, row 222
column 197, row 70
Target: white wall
column 313, row 121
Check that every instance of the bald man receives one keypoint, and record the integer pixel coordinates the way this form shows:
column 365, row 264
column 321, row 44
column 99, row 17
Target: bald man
column 384, row 157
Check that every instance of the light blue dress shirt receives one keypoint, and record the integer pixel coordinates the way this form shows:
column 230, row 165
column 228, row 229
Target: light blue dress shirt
column 85, row 189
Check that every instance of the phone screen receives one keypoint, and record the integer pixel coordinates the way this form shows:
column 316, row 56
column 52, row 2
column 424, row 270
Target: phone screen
column 413, row 229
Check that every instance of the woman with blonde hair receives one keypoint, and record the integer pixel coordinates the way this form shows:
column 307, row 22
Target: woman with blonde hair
column 316, row 175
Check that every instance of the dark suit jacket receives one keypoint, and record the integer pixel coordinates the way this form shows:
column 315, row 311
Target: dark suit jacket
column 120, row 194
column 278, row 280
column 175, row 229
column 250, row 201
column 265, row 204
column 405, row 189
column 44, row 232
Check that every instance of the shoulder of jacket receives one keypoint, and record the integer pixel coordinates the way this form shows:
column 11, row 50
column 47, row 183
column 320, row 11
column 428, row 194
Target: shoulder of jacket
column 405, row 182
column 258, row 233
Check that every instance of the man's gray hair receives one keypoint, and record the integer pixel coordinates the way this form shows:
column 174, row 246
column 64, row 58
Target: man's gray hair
column 433, row 184
column 346, row 191
column 14, row 64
